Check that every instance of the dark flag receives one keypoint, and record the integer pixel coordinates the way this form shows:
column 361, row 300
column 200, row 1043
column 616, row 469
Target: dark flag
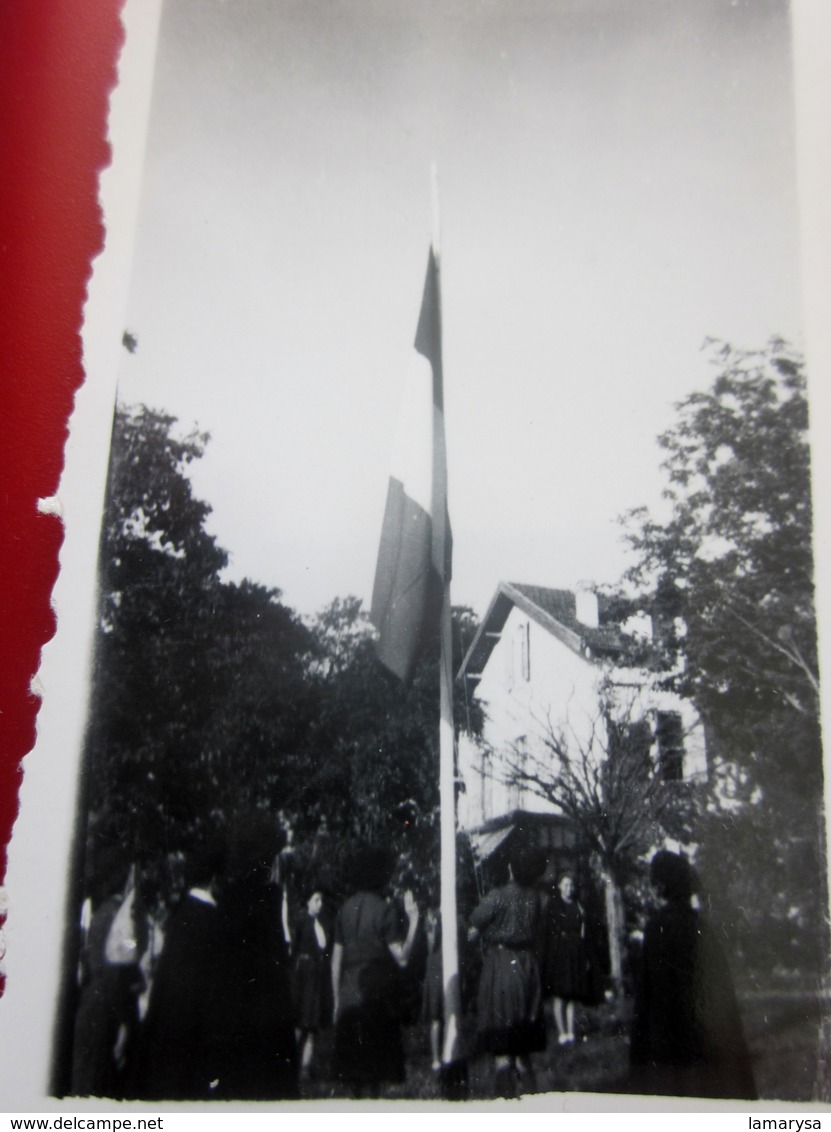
column 416, row 547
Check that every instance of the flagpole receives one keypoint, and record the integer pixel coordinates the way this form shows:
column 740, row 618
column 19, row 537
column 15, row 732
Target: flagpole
column 451, row 1057
column 411, row 604
column 454, row 1076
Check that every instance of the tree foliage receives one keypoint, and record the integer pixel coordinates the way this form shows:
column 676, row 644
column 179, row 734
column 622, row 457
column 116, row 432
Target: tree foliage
column 734, row 561
column 198, row 683
column 727, row 573
column 609, row 782
column 210, row 696
column 368, row 765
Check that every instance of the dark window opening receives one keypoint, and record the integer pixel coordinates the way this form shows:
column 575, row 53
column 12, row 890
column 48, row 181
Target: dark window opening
column 669, row 734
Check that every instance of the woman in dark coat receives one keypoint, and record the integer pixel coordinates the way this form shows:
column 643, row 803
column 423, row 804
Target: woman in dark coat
column 565, row 973
column 509, row 1020
column 368, row 957
column 180, row 1040
column 257, row 1058
column 687, row 1037
column 312, row 981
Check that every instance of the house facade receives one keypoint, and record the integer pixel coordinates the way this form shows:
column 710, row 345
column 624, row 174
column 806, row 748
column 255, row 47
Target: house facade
column 543, row 666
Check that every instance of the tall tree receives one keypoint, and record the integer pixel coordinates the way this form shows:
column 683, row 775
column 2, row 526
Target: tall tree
column 199, row 684
column 731, row 569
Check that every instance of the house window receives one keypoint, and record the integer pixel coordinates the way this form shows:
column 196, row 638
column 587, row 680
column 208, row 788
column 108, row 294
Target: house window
column 524, row 650
column 669, row 733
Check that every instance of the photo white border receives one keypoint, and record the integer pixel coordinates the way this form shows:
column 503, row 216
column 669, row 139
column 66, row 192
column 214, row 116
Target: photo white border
column 43, row 833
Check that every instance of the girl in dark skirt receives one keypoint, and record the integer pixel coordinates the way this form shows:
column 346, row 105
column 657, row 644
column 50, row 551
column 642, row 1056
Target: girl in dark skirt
column 312, row 981
column 509, row 1019
column 565, row 960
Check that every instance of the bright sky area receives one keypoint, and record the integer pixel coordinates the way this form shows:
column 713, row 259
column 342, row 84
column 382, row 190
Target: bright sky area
column 617, row 182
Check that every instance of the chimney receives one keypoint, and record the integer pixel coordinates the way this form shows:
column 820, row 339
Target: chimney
column 587, row 613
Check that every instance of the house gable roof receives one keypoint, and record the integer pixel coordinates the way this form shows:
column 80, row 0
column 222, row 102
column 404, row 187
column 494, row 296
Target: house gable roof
column 551, row 609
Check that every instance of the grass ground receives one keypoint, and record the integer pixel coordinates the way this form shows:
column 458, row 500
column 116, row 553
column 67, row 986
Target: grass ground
column 789, row 1034
column 783, row 1031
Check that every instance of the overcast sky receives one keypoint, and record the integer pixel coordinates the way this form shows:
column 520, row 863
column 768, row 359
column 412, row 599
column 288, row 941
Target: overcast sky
column 617, row 183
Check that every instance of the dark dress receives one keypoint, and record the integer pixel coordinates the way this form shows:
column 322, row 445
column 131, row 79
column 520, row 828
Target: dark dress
column 257, row 1057
column 368, row 1045
column 179, row 1044
column 312, row 978
column 687, row 1037
column 565, row 958
column 509, row 1017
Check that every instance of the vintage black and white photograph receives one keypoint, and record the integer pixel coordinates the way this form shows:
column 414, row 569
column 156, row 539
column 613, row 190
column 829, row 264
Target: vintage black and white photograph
column 453, row 728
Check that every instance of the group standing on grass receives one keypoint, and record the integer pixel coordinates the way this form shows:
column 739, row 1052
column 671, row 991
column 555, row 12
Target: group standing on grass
column 237, row 998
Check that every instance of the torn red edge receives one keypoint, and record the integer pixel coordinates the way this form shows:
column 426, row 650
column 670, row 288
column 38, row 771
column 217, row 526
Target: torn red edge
column 58, row 66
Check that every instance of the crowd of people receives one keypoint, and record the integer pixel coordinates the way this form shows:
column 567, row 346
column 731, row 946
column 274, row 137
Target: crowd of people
column 227, row 999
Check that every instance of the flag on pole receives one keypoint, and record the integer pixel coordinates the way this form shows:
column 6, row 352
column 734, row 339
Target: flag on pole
column 414, row 558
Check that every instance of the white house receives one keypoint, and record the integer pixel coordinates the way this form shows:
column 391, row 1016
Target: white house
column 537, row 665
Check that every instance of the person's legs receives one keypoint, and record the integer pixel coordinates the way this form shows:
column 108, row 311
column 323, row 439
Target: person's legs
column 435, row 1043
column 559, row 1019
column 525, row 1074
column 504, row 1078
column 570, row 1021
